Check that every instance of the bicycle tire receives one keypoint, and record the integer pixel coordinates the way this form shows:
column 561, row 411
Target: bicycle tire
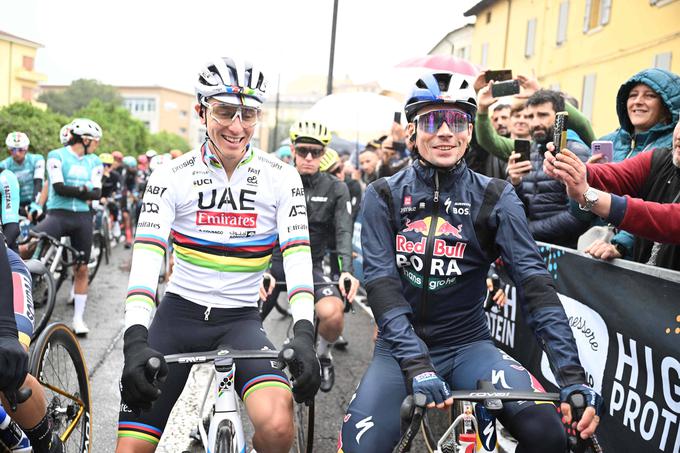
column 301, row 417
column 43, row 306
column 58, row 347
column 224, row 440
column 98, row 245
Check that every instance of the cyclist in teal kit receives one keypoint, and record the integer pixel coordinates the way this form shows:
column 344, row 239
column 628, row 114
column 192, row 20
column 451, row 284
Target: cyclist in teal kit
column 29, row 169
column 75, row 178
column 9, row 207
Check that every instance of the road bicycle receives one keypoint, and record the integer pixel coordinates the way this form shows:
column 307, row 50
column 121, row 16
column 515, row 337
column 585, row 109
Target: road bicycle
column 57, row 362
column 48, row 266
column 472, row 426
column 221, row 430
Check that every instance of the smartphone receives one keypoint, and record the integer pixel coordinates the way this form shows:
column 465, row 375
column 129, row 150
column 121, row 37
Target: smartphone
column 604, row 147
column 523, row 147
column 507, row 88
column 498, row 76
column 560, row 131
column 397, row 117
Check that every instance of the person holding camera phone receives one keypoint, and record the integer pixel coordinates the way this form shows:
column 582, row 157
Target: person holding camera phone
column 647, row 105
column 545, row 200
column 653, row 215
column 503, row 147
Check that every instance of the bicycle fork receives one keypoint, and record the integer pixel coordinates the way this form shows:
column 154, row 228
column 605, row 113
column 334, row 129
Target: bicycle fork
column 226, row 406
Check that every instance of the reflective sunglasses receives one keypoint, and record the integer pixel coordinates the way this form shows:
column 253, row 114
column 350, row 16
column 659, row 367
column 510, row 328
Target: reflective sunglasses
column 17, row 150
column 225, row 114
column 304, row 151
column 456, row 120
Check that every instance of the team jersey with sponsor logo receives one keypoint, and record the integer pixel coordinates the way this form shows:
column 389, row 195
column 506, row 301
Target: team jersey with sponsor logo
column 33, row 167
column 66, row 167
column 223, row 232
column 9, row 197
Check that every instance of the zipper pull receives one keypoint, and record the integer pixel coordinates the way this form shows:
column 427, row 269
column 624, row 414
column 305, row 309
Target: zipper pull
column 206, row 316
column 436, row 196
column 436, row 186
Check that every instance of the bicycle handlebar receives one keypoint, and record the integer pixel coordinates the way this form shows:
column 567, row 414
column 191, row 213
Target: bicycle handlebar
column 77, row 254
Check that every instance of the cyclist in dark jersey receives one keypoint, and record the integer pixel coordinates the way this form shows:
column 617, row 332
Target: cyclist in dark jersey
column 328, row 211
column 428, row 236
column 16, row 328
column 112, row 191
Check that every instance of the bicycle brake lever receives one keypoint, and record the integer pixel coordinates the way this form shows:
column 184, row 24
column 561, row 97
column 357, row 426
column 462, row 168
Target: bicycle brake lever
column 577, row 444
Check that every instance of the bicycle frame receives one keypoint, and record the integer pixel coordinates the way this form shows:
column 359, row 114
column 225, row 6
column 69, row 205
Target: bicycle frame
column 226, row 407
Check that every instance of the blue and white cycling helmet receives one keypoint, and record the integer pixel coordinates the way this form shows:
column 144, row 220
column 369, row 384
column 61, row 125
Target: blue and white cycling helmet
column 231, row 80
column 446, row 88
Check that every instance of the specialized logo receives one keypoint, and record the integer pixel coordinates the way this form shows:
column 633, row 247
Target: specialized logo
column 363, row 426
column 442, row 228
column 228, row 219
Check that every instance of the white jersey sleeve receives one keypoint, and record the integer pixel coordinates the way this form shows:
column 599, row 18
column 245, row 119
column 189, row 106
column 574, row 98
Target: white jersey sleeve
column 54, row 167
column 39, row 171
column 150, row 246
column 291, row 218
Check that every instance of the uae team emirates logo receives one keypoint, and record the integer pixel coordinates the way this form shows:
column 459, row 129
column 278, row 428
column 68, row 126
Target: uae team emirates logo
column 227, row 219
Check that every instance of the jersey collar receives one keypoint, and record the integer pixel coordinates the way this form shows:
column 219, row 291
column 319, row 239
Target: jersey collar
column 212, row 162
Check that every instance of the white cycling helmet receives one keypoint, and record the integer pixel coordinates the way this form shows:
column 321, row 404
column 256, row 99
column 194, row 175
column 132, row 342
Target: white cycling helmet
column 231, row 80
column 156, row 161
column 17, row 140
column 86, row 128
column 151, row 153
column 65, row 134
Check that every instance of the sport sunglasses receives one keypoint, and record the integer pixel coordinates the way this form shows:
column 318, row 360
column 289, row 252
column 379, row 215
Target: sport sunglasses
column 456, row 120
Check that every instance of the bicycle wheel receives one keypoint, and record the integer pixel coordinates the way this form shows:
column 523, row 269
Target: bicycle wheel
column 57, row 362
column 96, row 256
column 224, row 441
column 44, row 297
column 301, row 420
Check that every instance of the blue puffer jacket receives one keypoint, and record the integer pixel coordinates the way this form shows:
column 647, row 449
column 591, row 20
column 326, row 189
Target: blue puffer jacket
column 665, row 84
column 628, row 144
column 546, row 202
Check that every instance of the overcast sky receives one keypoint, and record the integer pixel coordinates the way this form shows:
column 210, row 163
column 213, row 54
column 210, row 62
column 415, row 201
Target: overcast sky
column 152, row 42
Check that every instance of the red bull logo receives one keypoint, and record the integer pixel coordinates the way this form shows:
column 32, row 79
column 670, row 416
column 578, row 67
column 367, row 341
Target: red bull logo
column 442, row 228
column 441, row 248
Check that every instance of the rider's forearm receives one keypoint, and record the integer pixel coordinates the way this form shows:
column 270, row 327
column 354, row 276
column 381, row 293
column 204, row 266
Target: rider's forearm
column 93, row 194
column 67, row 191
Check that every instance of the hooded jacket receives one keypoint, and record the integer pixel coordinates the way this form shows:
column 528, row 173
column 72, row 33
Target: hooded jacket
column 628, row 144
column 626, row 141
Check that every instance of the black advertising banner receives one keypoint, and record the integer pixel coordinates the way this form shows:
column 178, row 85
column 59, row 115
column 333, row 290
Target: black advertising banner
column 627, row 327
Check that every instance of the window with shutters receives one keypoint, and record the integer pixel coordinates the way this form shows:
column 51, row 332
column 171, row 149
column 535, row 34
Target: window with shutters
column 531, row 38
column 562, row 22
column 588, row 95
column 27, row 93
column 27, row 63
column 663, row 61
column 597, row 14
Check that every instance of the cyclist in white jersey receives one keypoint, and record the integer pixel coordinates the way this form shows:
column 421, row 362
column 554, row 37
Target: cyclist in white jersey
column 223, row 205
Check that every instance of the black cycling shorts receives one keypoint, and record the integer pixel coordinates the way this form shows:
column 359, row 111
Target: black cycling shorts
column 179, row 326
column 76, row 225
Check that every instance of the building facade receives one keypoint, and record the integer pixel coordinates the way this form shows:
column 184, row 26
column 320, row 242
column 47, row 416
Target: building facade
column 586, row 48
column 18, row 77
column 457, row 43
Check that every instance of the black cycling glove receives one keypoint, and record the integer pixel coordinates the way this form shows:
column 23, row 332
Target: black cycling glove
column 139, row 390
column 13, row 363
column 305, row 367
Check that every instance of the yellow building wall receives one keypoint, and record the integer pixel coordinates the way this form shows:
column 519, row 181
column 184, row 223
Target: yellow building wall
column 636, row 32
column 13, row 76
